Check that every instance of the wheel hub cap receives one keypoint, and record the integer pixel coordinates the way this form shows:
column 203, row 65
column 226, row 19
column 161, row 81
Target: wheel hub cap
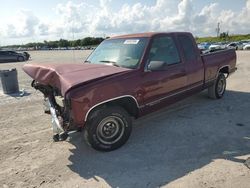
column 110, row 130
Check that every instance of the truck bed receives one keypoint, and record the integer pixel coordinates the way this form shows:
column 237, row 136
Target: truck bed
column 214, row 61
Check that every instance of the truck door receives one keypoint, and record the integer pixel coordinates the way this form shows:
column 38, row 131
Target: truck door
column 192, row 58
column 161, row 84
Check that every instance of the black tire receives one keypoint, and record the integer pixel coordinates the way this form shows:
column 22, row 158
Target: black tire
column 217, row 90
column 108, row 128
column 20, row 58
column 56, row 138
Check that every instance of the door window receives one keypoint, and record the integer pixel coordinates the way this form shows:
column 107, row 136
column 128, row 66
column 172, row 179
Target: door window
column 164, row 49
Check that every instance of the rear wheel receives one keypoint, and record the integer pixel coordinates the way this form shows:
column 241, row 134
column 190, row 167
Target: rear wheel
column 217, row 90
column 20, row 58
column 108, row 129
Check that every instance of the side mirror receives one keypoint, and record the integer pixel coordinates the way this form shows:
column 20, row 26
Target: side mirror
column 155, row 65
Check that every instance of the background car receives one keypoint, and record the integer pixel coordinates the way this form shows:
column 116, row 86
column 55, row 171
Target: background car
column 246, row 47
column 204, row 46
column 235, row 45
column 218, row 46
column 215, row 46
column 6, row 56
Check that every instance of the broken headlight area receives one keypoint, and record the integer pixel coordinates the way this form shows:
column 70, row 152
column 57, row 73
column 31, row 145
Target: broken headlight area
column 55, row 105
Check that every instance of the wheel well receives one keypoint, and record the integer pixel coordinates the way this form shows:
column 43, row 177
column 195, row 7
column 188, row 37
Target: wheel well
column 127, row 103
column 224, row 70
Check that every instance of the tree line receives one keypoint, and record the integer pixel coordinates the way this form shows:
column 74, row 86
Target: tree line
column 94, row 41
column 62, row 43
column 223, row 37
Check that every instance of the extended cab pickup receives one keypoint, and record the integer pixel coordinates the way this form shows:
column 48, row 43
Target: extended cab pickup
column 124, row 77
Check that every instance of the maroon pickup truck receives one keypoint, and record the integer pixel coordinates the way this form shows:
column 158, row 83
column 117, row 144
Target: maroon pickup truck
column 124, row 77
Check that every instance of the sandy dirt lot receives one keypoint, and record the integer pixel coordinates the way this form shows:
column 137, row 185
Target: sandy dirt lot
column 195, row 143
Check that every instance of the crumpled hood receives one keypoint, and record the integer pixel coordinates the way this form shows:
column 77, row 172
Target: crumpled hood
column 65, row 76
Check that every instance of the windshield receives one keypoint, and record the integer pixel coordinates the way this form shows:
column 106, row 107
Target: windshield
column 125, row 53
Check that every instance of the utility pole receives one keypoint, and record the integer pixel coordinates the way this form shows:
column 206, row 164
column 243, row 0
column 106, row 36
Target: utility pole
column 218, row 29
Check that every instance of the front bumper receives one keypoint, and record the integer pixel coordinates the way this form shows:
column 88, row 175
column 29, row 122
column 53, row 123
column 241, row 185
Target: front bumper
column 55, row 120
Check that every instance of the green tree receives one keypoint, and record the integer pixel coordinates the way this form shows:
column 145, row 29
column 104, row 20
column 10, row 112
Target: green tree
column 63, row 43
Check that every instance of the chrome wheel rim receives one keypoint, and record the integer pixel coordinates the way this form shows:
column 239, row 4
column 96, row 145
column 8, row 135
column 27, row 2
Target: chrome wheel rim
column 221, row 86
column 110, row 130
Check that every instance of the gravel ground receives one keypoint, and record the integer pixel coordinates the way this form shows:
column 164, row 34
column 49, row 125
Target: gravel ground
column 195, row 143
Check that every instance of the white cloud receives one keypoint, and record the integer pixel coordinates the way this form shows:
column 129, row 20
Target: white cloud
column 83, row 19
column 70, row 16
column 43, row 29
column 242, row 19
column 180, row 20
column 206, row 20
column 23, row 26
column 162, row 16
column 205, row 14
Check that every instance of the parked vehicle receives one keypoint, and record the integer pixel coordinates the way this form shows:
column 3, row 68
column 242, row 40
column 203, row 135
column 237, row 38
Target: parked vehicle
column 215, row 46
column 235, row 45
column 127, row 76
column 244, row 42
column 239, row 46
column 218, row 46
column 7, row 56
column 204, row 45
column 246, row 47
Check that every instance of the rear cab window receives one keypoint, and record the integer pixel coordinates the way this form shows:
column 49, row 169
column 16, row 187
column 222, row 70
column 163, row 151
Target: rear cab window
column 189, row 51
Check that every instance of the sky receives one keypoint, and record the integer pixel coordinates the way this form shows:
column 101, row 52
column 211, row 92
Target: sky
column 35, row 21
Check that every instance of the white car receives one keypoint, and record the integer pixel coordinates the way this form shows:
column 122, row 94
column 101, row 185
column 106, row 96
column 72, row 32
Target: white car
column 246, row 47
column 204, row 46
column 214, row 47
column 244, row 42
column 235, row 45
column 217, row 46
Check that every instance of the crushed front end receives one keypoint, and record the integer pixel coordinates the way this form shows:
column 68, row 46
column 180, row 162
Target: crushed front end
column 58, row 107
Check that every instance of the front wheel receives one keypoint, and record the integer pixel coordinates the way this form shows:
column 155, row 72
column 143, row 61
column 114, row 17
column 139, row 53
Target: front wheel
column 217, row 90
column 108, row 129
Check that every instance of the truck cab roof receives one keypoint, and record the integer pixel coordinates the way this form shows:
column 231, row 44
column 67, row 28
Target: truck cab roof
column 147, row 34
